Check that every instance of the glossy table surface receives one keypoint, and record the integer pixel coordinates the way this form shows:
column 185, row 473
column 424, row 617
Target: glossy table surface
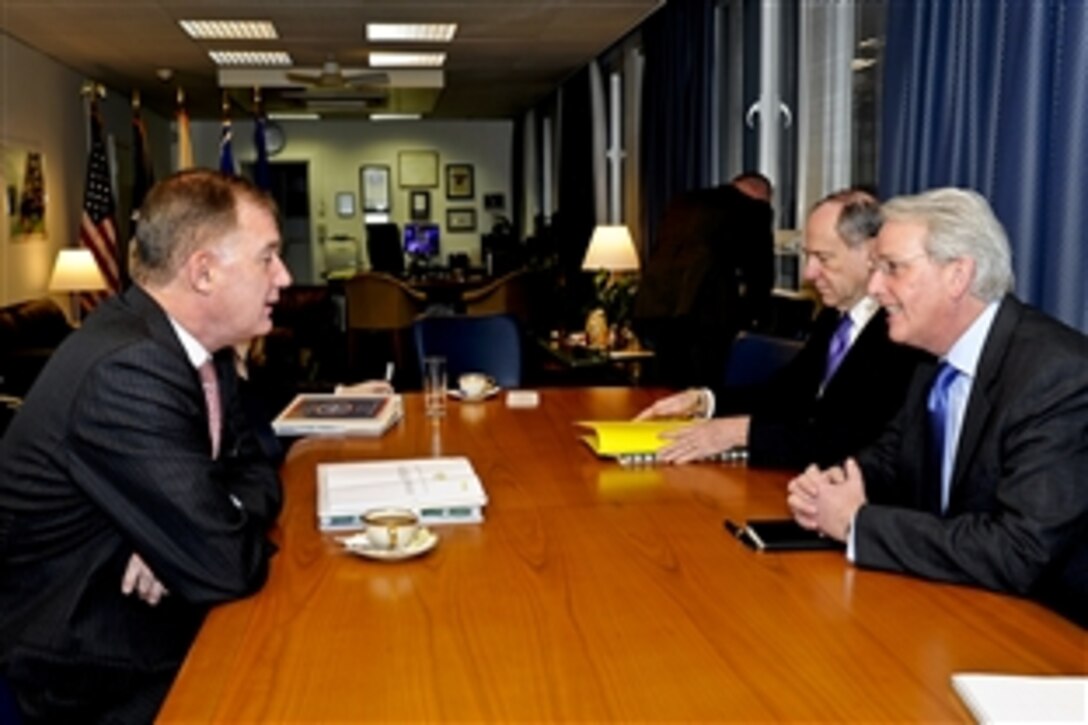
column 590, row 593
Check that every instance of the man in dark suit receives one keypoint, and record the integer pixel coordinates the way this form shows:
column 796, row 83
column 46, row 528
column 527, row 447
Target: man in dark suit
column 821, row 406
column 133, row 493
column 709, row 276
column 980, row 478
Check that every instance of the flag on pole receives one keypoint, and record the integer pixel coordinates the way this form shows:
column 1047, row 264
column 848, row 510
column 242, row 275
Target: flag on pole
column 185, row 139
column 143, row 176
column 261, row 173
column 226, row 155
column 97, row 230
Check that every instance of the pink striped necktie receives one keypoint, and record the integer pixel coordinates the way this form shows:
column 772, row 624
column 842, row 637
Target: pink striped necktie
column 210, row 383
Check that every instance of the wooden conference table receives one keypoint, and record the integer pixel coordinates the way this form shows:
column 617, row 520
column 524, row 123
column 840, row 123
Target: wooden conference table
column 591, row 593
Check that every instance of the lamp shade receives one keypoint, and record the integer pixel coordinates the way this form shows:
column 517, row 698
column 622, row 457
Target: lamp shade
column 611, row 248
column 76, row 271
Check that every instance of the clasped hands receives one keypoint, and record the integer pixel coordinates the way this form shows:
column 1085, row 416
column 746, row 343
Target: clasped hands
column 700, row 440
column 827, row 500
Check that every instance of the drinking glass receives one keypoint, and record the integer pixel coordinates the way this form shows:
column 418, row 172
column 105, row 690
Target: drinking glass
column 434, row 386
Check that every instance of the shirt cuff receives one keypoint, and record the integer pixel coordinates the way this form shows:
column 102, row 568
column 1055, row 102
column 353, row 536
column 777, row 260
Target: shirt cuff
column 851, row 537
column 708, row 402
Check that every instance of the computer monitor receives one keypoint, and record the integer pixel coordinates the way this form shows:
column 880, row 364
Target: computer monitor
column 421, row 240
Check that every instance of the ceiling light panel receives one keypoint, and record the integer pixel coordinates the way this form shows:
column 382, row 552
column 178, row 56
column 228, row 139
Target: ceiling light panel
column 423, row 32
column 406, row 60
column 395, row 116
column 254, row 58
column 229, row 29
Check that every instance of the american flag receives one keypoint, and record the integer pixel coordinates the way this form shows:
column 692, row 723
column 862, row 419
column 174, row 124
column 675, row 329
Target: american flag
column 97, row 230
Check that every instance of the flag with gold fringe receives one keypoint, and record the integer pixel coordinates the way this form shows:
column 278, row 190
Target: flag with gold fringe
column 97, row 230
column 185, row 139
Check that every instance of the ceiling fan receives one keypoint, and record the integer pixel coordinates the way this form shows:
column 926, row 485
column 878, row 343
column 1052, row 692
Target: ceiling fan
column 332, row 77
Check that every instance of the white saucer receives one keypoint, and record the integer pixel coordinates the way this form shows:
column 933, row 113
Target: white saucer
column 359, row 545
column 492, row 391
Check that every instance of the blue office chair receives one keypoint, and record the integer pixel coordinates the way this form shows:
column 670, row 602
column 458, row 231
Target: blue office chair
column 490, row 344
column 755, row 358
column 9, row 710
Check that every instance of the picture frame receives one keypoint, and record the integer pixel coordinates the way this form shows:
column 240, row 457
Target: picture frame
column 345, row 204
column 417, row 169
column 461, row 220
column 374, row 189
column 419, row 205
column 460, row 181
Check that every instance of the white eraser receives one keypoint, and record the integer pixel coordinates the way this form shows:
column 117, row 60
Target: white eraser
column 522, row 399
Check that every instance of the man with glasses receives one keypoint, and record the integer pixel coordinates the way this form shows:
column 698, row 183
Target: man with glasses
column 840, row 389
column 980, row 478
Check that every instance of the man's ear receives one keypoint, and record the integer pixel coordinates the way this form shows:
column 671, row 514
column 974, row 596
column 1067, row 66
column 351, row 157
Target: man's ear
column 961, row 273
column 200, row 271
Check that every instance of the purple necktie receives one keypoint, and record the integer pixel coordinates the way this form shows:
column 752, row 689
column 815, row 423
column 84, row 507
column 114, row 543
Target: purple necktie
column 836, row 351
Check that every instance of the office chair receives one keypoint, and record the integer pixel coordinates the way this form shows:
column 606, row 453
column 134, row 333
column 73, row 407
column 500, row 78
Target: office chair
column 379, row 309
column 755, row 358
column 490, row 344
column 508, row 295
column 383, row 248
column 9, row 710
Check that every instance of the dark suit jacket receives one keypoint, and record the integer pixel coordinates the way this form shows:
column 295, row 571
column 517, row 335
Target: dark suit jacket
column 1017, row 518
column 110, row 455
column 710, row 275
column 792, row 425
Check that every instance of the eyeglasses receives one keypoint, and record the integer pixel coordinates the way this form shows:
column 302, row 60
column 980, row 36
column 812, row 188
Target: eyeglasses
column 892, row 267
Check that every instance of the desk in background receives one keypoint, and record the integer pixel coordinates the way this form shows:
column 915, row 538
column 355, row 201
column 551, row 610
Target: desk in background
column 591, row 593
column 575, row 363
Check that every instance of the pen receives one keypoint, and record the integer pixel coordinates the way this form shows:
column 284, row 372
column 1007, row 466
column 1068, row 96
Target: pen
column 389, row 372
column 733, row 529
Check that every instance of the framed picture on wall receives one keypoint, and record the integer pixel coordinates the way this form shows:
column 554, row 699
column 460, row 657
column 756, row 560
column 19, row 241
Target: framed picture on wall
column 459, row 181
column 419, row 205
column 417, row 169
column 461, row 220
column 374, row 188
column 345, row 204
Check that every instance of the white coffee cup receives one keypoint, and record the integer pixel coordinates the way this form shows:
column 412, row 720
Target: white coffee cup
column 391, row 529
column 473, row 385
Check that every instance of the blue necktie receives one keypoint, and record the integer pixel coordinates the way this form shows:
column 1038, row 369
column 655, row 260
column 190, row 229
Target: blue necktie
column 939, row 429
column 836, row 351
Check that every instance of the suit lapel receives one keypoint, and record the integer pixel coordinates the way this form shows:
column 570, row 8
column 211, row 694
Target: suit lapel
column 979, row 405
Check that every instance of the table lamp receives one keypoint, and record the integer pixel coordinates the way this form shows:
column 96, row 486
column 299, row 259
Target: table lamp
column 76, row 271
column 611, row 251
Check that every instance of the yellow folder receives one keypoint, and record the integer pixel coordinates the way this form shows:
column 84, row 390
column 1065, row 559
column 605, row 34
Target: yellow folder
column 618, row 438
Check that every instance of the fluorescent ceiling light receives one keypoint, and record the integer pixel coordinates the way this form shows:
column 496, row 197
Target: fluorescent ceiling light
column 293, row 116
column 395, row 116
column 426, row 32
column 250, row 57
column 229, row 29
column 406, row 60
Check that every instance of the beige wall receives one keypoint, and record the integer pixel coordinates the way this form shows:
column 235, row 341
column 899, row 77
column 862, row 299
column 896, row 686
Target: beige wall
column 41, row 109
column 335, row 150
